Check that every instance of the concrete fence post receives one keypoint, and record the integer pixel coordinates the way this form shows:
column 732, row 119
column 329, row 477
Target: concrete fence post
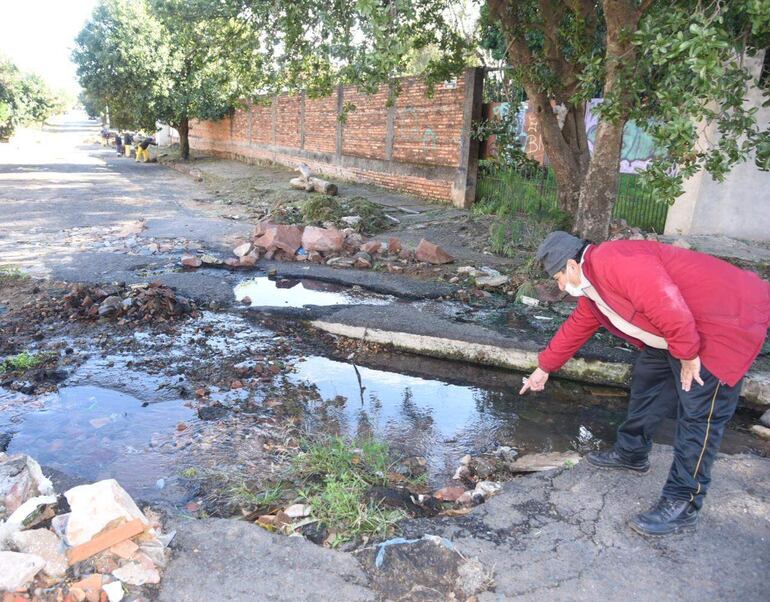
column 340, row 124
column 274, row 120
column 464, row 187
column 302, row 120
column 390, row 123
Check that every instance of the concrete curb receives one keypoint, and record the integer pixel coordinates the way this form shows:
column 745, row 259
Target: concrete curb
column 756, row 387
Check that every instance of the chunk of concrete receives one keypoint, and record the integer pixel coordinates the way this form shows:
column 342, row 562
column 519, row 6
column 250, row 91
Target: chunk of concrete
column 20, row 479
column 114, row 591
column 547, row 461
column 43, row 543
column 94, row 507
column 429, row 568
column 243, row 249
column 33, row 511
column 222, row 559
column 17, row 570
column 134, row 573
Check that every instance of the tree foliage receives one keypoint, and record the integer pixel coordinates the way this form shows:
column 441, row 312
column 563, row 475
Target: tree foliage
column 159, row 60
column 24, row 99
column 671, row 67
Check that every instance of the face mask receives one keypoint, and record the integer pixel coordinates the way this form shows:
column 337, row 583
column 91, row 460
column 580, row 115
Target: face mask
column 575, row 291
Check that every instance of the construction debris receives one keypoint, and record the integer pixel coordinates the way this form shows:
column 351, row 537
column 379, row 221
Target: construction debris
column 105, row 539
column 134, row 303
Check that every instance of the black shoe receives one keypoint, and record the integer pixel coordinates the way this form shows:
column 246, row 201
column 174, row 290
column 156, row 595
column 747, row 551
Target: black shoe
column 611, row 459
column 667, row 516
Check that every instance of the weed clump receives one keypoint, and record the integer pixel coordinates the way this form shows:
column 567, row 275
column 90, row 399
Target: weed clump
column 337, row 476
column 320, row 209
column 22, row 362
column 10, row 273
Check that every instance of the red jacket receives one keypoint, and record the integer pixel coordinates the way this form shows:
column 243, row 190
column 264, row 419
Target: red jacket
column 699, row 304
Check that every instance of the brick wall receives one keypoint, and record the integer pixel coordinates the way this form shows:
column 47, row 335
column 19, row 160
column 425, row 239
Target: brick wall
column 420, row 144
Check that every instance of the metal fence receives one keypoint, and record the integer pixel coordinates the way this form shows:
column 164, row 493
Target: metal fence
column 513, row 189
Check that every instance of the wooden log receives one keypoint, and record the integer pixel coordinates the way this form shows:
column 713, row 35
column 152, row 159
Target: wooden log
column 314, row 184
column 323, row 186
column 301, row 184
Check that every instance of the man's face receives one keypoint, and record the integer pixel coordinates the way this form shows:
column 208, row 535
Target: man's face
column 569, row 275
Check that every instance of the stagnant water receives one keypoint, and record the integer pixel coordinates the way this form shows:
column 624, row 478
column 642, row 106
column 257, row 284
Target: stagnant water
column 289, row 292
column 145, row 434
column 92, row 433
column 442, row 421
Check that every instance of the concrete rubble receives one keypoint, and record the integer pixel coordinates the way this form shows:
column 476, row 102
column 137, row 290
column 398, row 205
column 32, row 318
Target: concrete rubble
column 102, row 548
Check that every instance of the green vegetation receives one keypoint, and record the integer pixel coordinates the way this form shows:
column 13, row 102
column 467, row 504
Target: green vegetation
column 10, row 273
column 523, row 193
column 241, row 494
column 23, row 361
column 316, row 209
column 144, row 61
column 189, row 473
column 24, row 99
column 337, row 476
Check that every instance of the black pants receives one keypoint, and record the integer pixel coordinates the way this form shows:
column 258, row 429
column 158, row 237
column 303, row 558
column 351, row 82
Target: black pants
column 702, row 415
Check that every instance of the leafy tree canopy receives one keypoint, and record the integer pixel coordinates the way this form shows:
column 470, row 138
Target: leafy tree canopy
column 24, row 99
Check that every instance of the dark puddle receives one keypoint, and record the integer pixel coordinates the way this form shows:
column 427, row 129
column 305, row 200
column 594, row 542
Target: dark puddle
column 289, row 292
column 90, row 433
column 443, row 420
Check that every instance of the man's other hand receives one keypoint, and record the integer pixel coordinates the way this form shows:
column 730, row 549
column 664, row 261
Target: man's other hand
column 535, row 382
column 690, row 371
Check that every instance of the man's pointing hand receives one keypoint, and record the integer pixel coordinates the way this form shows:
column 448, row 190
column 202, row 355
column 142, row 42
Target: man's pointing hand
column 535, row 382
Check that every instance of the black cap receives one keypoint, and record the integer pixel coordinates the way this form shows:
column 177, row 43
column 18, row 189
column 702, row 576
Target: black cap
column 557, row 248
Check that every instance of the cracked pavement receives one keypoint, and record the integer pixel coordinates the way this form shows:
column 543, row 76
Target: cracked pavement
column 563, row 535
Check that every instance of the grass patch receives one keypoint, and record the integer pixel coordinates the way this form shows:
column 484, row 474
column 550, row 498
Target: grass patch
column 10, row 273
column 337, row 476
column 244, row 496
column 524, row 212
column 22, row 362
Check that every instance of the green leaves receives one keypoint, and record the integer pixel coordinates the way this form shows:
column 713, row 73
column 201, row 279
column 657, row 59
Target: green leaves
column 694, row 79
column 24, row 98
column 168, row 61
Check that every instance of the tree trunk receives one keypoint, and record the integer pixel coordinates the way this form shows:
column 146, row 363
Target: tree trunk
column 184, row 137
column 600, row 186
column 566, row 147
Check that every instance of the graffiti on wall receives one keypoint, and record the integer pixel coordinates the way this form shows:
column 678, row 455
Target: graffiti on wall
column 638, row 148
column 637, row 151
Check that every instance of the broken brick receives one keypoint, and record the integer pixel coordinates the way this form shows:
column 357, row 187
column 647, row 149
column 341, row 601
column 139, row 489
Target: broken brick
column 106, row 540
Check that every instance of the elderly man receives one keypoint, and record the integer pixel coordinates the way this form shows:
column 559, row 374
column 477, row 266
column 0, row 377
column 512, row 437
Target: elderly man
column 700, row 323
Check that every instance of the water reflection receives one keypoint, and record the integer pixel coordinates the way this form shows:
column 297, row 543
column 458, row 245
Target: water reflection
column 93, row 433
column 443, row 421
column 285, row 292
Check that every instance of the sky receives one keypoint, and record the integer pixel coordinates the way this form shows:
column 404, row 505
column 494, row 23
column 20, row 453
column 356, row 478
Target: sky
column 38, row 36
